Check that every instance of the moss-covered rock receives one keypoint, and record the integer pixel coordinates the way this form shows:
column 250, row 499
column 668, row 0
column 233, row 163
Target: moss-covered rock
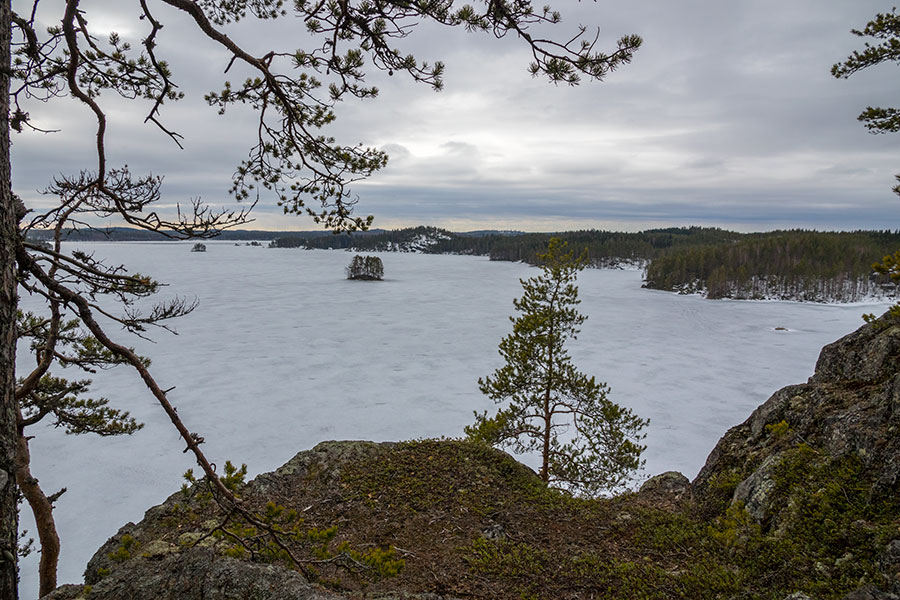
column 849, row 408
column 197, row 574
column 817, row 466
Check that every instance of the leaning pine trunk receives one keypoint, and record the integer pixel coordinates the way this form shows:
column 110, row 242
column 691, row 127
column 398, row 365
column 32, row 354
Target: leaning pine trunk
column 8, row 300
column 43, row 517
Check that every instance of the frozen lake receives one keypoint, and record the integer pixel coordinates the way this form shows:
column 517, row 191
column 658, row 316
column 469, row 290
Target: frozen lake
column 283, row 353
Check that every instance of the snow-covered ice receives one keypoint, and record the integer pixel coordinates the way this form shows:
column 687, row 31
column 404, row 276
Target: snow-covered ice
column 283, row 352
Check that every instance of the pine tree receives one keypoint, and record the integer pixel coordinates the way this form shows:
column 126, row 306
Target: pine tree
column 885, row 30
column 374, row 267
column 545, row 395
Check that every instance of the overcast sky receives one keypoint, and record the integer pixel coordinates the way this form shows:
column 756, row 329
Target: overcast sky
column 728, row 116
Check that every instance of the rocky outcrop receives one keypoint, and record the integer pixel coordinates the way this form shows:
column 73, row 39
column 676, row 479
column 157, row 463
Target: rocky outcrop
column 173, row 551
column 816, row 451
column 197, row 574
column 868, row 355
column 849, row 409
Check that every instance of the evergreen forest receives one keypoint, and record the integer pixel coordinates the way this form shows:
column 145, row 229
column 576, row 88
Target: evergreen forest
column 788, row 264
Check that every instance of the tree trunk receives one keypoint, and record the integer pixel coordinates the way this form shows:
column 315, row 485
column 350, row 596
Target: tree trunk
column 545, row 464
column 43, row 517
column 548, row 417
column 8, row 302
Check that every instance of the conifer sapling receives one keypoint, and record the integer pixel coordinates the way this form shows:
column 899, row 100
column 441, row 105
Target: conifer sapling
column 587, row 443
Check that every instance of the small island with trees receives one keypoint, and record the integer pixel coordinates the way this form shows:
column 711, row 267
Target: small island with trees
column 365, row 268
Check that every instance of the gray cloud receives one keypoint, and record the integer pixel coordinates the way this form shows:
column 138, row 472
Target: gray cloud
column 727, row 116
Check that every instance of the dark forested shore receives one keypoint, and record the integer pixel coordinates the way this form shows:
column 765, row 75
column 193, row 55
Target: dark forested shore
column 788, row 265
column 604, row 248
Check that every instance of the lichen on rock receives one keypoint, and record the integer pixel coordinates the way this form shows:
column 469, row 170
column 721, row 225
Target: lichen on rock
column 848, row 408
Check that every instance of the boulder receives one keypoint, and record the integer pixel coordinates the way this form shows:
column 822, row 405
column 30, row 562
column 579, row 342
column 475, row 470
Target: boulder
column 671, row 485
column 869, row 354
column 197, row 574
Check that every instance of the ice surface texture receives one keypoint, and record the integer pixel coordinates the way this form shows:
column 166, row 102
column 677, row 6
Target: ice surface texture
column 284, row 352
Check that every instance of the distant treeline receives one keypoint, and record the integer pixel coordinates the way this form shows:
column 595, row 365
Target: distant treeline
column 796, row 264
column 604, row 248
